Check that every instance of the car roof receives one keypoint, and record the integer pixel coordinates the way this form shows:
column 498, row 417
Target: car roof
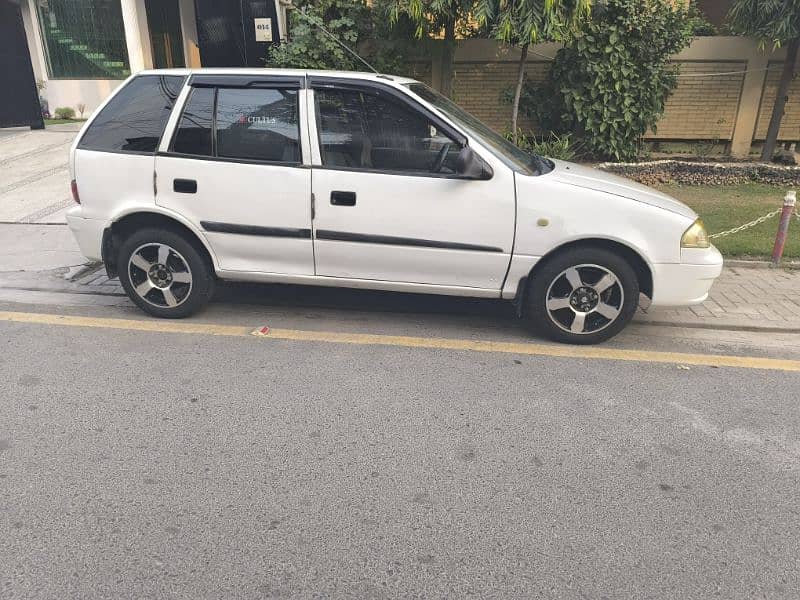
column 289, row 72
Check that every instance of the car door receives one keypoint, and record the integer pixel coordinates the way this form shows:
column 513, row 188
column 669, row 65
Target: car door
column 384, row 210
column 234, row 168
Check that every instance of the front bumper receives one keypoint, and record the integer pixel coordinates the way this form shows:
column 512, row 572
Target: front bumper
column 688, row 282
column 88, row 233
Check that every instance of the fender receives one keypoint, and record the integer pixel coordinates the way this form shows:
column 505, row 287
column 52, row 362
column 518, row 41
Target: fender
column 156, row 210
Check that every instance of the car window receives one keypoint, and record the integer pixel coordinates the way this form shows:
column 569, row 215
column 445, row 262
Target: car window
column 515, row 158
column 251, row 124
column 134, row 118
column 363, row 130
column 258, row 124
column 194, row 130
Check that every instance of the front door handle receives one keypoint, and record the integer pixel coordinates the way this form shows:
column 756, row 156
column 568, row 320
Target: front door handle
column 343, row 198
column 184, row 186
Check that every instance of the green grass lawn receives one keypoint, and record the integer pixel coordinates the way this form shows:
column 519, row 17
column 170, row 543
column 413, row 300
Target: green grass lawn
column 62, row 121
column 725, row 207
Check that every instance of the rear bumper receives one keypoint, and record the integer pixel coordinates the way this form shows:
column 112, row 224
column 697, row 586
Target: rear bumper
column 688, row 282
column 88, row 233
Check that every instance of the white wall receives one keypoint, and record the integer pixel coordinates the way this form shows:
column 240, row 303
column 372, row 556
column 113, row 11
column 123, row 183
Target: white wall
column 71, row 92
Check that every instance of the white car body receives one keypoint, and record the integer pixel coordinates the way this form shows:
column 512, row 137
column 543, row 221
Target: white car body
column 428, row 234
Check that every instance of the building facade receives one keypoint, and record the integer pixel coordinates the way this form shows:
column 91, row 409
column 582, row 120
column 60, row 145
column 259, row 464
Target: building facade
column 82, row 49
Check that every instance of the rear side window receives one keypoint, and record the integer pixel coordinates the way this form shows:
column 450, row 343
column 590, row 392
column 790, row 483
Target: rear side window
column 250, row 124
column 134, row 119
column 194, row 130
column 258, row 124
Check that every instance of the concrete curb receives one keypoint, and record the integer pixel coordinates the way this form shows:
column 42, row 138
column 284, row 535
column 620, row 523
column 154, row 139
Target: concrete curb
column 759, row 264
column 718, row 326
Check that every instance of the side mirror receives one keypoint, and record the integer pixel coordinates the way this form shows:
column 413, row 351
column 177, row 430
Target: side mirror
column 470, row 166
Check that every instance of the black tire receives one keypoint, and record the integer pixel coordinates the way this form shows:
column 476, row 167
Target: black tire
column 554, row 281
column 182, row 257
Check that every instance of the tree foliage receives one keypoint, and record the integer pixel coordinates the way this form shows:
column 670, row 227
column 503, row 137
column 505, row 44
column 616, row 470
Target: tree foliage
column 776, row 22
column 769, row 21
column 524, row 22
column 435, row 18
column 431, row 17
column 355, row 23
column 611, row 80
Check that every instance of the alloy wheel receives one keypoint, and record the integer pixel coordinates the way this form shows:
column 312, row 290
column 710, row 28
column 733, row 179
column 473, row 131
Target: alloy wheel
column 584, row 299
column 160, row 275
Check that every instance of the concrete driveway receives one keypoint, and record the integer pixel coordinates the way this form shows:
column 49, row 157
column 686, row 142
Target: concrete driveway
column 34, row 180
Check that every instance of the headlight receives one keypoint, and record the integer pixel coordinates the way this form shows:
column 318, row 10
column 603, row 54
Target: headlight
column 696, row 236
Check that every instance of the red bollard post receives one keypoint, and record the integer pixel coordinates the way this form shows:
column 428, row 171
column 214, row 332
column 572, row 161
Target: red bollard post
column 783, row 227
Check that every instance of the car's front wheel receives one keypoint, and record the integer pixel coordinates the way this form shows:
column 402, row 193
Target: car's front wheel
column 164, row 274
column 583, row 295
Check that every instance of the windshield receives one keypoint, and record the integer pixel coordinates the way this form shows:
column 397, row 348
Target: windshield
column 525, row 162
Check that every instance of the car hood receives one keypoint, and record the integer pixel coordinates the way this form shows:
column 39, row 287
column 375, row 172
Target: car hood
column 594, row 179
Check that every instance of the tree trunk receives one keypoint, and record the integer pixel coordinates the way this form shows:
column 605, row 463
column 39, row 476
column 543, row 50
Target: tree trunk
column 448, row 55
column 780, row 100
column 523, row 58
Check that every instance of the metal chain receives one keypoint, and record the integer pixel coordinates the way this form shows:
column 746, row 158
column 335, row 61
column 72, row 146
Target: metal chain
column 758, row 221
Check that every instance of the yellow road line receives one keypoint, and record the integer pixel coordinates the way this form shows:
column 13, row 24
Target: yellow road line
column 191, row 327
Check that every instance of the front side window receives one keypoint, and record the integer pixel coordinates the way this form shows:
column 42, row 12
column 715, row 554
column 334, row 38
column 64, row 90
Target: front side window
column 363, row 130
column 134, row 119
column 83, row 39
column 519, row 160
column 251, row 124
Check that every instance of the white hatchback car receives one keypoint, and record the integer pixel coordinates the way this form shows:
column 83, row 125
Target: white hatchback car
column 365, row 181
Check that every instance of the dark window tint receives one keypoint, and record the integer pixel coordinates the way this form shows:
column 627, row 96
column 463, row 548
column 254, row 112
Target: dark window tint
column 258, row 124
column 372, row 132
column 134, row 119
column 194, row 129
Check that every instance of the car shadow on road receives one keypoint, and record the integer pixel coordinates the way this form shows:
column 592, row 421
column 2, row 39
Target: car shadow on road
column 396, row 313
column 284, row 295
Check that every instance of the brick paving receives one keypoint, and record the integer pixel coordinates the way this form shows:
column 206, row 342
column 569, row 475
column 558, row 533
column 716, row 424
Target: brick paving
column 743, row 297
column 97, row 281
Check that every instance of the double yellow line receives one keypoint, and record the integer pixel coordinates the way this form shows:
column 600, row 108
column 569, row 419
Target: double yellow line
column 368, row 339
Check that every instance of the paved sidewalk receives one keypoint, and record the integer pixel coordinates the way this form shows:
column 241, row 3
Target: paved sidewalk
column 34, row 178
column 45, row 257
column 742, row 298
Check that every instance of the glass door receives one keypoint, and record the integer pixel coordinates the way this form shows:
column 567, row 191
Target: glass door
column 166, row 39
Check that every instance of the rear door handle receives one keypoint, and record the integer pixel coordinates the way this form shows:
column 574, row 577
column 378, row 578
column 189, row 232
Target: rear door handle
column 343, row 198
column 184, row 186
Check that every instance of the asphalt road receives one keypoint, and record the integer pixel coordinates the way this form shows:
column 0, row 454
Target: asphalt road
column 149, row 464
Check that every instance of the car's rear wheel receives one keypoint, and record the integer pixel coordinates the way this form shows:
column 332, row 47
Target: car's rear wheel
column 164, row 274
column 583, row 295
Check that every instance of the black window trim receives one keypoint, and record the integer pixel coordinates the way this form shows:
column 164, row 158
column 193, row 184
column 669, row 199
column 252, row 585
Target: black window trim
column 213, row 122
column 397, row 172
column 225, row 159
column 184, row 79
column 233, row 80
column 214, row 157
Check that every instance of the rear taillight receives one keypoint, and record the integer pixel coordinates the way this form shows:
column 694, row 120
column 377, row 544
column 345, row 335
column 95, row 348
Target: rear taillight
column 74, row 187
